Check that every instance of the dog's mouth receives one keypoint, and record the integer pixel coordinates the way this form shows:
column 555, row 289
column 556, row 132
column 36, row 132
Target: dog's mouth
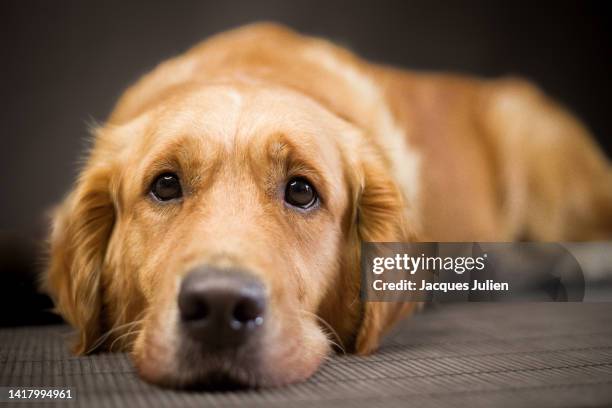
column 221, row 371
column 194, row 372
column 193, row 366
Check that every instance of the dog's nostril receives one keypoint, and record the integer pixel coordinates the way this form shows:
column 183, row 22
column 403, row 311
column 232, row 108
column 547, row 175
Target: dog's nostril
column 193, row 307
column 248, row 311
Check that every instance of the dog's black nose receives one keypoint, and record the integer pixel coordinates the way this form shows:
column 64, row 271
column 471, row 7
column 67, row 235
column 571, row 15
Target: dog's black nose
column 221, row 308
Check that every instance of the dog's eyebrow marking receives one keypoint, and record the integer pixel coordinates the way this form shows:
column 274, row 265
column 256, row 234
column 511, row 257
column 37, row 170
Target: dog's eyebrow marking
column 284, row 155
column 285, row 159
column 185, row 154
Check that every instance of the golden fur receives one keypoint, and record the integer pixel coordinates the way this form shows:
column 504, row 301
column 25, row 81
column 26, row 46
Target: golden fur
column 395, row 156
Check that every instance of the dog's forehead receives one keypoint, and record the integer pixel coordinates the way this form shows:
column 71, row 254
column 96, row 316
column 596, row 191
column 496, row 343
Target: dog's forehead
column 231, row 115
column 212, row 112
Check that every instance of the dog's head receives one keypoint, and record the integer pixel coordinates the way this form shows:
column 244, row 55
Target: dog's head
column 218, row 235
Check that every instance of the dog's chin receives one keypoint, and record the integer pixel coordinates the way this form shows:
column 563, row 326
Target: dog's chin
column 220, row 377
column 221, row 381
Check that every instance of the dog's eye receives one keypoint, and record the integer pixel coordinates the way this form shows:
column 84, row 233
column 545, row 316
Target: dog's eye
column 167, row 187
column 300, row 193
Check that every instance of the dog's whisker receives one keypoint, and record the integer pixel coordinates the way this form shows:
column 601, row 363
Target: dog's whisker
column 110, row 332
column 330, row 328
column 124, row 335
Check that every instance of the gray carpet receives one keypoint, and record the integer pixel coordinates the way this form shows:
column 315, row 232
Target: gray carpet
column 476, row 355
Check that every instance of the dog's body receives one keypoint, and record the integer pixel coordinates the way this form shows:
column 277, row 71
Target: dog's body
column 394, row 156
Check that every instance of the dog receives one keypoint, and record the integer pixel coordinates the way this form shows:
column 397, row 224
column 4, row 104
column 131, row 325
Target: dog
column 215, row 229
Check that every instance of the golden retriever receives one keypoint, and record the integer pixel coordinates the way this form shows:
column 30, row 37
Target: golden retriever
column 215, row 230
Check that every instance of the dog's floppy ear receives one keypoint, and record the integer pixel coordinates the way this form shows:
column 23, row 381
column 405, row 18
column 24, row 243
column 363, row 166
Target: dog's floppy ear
column 381, row 218
column 80, row 232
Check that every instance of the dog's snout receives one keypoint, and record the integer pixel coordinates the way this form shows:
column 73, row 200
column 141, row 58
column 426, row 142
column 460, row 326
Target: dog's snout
column 221, row 308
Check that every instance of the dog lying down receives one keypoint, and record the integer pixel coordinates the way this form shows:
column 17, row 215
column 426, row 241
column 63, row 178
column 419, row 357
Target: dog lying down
column 214, row 231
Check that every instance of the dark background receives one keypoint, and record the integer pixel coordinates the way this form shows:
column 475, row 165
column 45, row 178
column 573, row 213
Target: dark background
column 64, row 63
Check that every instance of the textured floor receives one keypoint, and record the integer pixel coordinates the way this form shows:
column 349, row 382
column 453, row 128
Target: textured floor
column 476, row 355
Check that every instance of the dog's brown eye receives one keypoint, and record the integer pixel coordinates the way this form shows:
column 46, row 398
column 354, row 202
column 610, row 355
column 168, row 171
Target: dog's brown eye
column 300, row 193
column 167, row 187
